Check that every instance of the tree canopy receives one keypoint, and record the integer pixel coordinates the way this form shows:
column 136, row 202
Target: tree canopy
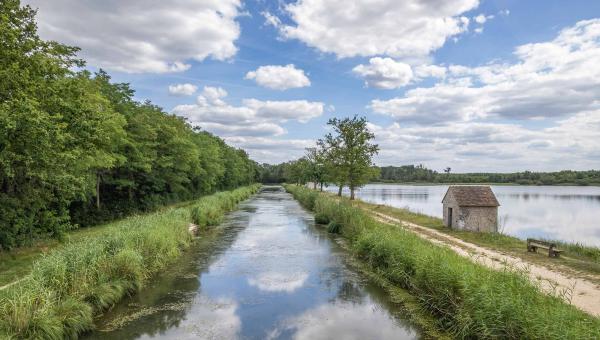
column 77, row 149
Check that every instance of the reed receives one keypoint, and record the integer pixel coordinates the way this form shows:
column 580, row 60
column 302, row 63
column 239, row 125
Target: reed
column 466, row 299
column 74, row 283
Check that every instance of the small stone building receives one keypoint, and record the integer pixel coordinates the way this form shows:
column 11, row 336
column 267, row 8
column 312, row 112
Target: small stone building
column 470, row 207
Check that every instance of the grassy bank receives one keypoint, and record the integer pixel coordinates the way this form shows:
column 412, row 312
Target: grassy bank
column 466, row 299
column 575, row 256
column 70, row 285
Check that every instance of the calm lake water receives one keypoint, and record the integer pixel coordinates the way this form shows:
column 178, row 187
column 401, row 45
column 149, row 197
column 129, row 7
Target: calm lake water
column 568, row 213
column 270, row 274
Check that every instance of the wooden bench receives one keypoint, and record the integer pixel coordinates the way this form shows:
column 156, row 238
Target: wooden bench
column 533, row 245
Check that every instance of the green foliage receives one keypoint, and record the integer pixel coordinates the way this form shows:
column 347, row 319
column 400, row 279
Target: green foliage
column 209, row 211
column 333, row 227
column 467, row 299
column 321, row 218
column 76, row 149
column 349, row 152
column 72, row 284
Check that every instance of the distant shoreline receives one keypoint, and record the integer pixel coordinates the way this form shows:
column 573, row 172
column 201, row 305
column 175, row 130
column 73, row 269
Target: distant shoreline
column 487, row 183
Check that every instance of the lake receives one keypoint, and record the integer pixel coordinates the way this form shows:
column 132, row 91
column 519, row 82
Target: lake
column 567, row 213
column 269, row 274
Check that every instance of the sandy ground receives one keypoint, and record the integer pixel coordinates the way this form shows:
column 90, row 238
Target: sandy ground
column 580, row 292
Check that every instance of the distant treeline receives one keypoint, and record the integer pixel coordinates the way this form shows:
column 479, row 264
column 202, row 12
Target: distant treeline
column 76, row 149
column 287, row 172
column 420, row 174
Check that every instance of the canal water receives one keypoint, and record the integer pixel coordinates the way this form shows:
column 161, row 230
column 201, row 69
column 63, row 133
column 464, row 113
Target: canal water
column 269, row 274
column 567, row 213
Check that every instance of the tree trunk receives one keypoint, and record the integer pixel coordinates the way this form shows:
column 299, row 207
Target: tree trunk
column 314, row 185
column 351, row 192
column 340, row 189
column 98, row 191
column 321, row 186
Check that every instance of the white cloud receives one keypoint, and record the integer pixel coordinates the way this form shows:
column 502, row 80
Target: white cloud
column 182, row 89
column 430, row 71
column 483, row 146
column 271, row 150
column 301, row 110
column 279, row 77
column 384, row 73
column 278, row 282
column 342, row 320
column 271, row 20
column 553, row 79
column 254, row 118
column 401, row 29
column 135, row 36
column 482, row 18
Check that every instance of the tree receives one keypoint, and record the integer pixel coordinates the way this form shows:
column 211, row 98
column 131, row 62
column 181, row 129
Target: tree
column 315, row 169
column 447, row 170
column 350, row 152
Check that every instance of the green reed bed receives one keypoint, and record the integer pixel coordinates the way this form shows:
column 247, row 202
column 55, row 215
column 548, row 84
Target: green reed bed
column 466, row 299
column 71, row 285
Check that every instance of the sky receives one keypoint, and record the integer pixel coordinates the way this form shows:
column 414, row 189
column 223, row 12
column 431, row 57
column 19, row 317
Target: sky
column 489, row 85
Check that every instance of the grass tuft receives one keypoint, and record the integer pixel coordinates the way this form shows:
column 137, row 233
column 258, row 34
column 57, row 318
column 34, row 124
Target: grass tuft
column 334, row 227
column 321, row 219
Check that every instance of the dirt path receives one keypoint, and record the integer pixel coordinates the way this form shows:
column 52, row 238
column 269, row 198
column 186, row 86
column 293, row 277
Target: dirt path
column 581, row 293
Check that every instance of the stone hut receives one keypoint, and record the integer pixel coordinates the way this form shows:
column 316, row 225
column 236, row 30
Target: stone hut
column 470, row 207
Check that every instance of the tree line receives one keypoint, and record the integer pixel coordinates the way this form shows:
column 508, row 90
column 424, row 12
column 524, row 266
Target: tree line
column 77, row 149
column 420, row 174
column 343, row 157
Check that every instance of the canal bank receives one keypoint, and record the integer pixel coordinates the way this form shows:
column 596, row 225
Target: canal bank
column 465, row 298
column 266, row 272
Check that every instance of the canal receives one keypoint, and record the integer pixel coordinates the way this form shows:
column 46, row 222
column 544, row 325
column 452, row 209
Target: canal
column 267, row 273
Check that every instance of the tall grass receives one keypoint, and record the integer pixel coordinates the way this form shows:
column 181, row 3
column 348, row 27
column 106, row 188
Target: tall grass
column 468, row 300
column 71, row 285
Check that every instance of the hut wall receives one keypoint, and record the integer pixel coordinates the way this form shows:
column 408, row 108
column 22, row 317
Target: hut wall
column 483, row 219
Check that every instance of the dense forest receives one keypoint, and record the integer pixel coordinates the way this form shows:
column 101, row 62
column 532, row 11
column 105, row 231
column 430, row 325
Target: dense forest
column 77, row 149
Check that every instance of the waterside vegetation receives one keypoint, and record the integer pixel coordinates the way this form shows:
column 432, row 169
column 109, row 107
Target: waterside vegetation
column 466, row 300
column 70, row 285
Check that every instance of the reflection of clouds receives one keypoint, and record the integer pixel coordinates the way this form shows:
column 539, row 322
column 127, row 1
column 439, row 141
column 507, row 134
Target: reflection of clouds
column 210, row 319
column 344, row 321
column 278, row 282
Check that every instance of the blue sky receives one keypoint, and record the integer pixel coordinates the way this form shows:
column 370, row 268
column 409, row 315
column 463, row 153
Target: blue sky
column 474, row 85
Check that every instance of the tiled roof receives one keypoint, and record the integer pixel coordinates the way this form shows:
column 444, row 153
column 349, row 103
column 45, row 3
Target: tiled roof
column 473, row 196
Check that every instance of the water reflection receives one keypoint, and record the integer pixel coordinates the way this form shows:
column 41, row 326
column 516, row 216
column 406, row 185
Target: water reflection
column 344, row 320
column 272, row 275
column 568, row 213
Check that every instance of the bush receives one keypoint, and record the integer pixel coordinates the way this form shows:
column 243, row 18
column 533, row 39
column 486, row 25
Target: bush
column 468, row 300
